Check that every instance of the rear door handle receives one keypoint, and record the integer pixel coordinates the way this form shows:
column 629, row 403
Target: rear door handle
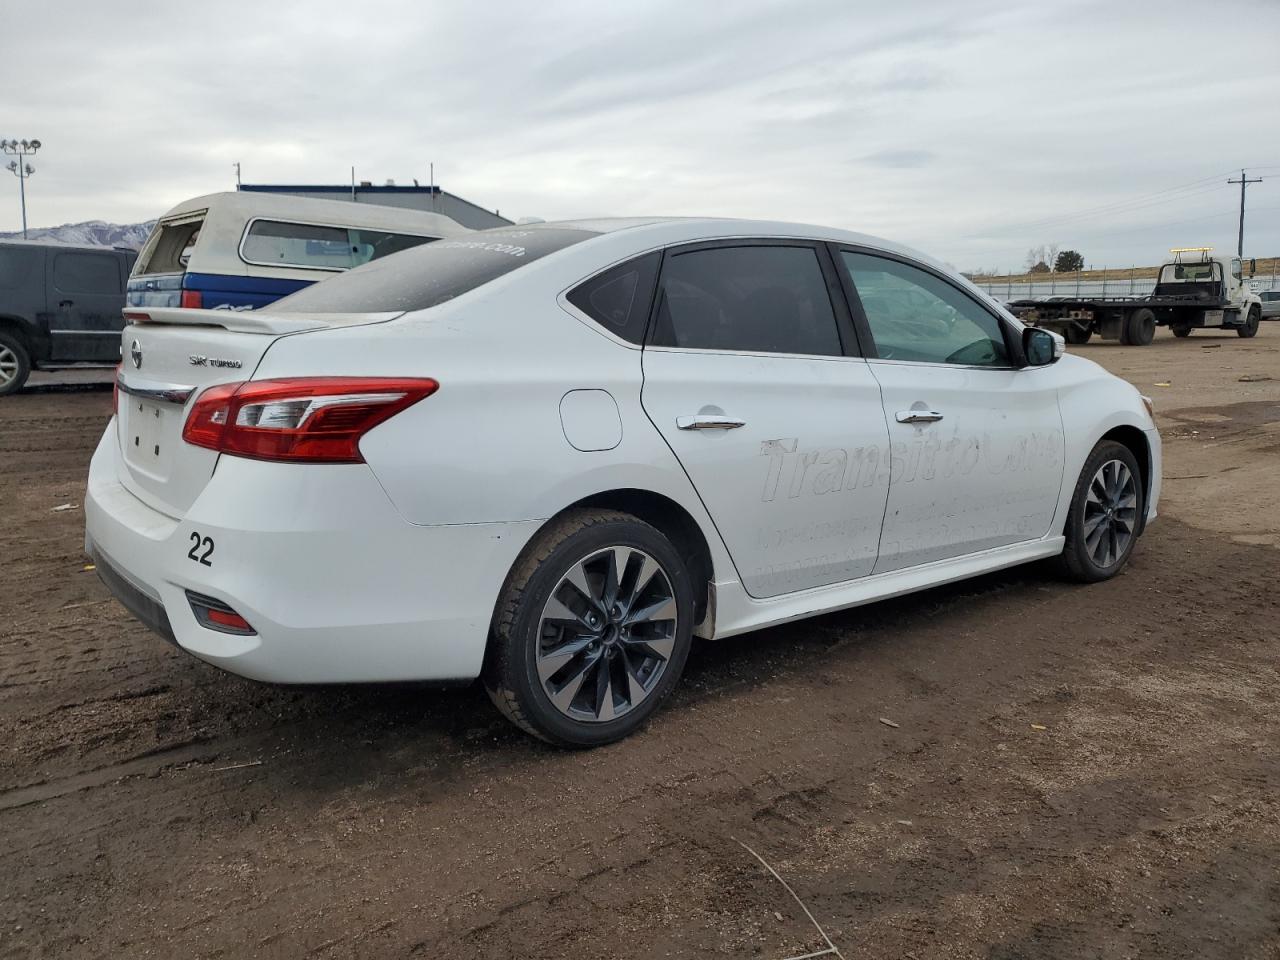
column 709, row 422
column 918, row 416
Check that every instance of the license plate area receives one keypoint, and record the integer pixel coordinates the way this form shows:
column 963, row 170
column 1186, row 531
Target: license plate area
column 148, row 439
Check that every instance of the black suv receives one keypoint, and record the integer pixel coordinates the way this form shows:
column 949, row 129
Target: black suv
column 60, row 306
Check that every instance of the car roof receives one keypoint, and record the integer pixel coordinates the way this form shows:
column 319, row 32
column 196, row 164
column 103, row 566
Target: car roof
column 59, row 245
column 661, row 230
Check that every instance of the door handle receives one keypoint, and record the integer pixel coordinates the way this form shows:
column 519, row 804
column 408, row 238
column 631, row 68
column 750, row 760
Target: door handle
column 709, row 422
column 918, row 416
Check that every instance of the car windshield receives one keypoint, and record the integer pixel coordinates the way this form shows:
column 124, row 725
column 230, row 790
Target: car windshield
column 429, row 275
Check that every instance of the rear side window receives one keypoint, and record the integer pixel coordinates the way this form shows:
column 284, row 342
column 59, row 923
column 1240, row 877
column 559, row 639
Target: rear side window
column 429, row 275
column 759, row 299
column 315, row 246
column 16, row 267
column 619, row 298
column 86, row 273
column 169, row 247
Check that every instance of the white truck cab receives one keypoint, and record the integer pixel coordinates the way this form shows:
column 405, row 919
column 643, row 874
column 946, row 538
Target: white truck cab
column 1218, row 281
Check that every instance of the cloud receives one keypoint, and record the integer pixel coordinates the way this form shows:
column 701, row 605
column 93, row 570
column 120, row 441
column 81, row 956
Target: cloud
column 955, row 128
column 900, row 159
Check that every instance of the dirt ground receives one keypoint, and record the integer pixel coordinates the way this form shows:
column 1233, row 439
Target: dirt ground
column 1070, row 771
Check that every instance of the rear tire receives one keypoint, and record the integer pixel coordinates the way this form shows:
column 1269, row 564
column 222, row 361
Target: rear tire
column 15, row 363
column 1073, row 333
column 1250, row 328
column 1139, row 328
column 1106, row 508
column 592, row 630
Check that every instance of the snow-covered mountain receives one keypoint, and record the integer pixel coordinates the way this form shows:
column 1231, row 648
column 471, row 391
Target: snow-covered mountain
column 91, row 233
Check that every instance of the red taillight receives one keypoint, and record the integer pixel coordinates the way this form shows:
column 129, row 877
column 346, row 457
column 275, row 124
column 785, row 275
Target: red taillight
column 193, row 299
column 313, row 419
column 214, row 614
column 232, row 620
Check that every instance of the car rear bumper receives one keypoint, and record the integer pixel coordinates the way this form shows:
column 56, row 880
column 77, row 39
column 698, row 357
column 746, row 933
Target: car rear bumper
column 337, row 585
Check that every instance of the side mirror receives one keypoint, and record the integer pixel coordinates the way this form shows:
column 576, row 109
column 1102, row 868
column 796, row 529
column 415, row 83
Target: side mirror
column 1041, row 347
column 1253, row 266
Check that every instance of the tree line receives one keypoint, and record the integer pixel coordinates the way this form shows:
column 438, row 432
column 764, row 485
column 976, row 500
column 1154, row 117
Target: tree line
column 1047, row 258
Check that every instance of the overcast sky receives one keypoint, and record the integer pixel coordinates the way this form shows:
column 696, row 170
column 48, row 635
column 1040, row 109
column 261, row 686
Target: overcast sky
column 969, row 129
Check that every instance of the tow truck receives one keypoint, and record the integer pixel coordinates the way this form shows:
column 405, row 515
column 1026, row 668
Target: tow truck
column 1194, row 290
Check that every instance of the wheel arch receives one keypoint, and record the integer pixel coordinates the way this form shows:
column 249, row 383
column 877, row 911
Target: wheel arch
column 15, row 332
column 680, row 527
column 1136, row 441
column 673, row 521
column 20, row 329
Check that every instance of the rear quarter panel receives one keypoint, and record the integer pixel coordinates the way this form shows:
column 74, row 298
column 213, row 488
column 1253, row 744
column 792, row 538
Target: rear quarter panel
column 489, row 445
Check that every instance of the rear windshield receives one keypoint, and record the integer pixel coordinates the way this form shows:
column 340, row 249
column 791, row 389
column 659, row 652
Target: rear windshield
column 308, row 245
column 1188, row 272
column 429, row 275
column 169, row 246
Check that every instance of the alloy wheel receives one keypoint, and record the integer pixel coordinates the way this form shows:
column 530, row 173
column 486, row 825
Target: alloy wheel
column 1110, row 513
column 606, row 635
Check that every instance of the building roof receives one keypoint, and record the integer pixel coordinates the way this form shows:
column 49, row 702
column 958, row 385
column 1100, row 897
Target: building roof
column 335, row 188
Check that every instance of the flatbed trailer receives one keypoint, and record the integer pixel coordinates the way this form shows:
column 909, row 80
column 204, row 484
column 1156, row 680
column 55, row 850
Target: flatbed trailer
column 1204, row 293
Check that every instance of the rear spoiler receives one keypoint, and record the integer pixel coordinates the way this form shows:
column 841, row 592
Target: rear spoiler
column 250, row 321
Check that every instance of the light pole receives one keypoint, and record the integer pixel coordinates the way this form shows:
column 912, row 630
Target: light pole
column 21, row 169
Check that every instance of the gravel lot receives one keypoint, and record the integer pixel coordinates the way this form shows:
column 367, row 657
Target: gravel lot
column 1071, row 771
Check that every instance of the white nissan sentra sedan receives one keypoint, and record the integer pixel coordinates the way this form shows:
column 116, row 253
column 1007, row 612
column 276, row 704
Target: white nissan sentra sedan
column 550, row 456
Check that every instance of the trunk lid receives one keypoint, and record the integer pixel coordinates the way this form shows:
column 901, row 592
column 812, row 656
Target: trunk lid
column 169, row 357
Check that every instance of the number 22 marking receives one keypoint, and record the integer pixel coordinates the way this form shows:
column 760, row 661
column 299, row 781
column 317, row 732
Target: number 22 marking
column 197, row 542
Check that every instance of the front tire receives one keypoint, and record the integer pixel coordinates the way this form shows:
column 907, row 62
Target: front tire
column 15, row 363
column 1102, row 522
column 1139, row 328
column 1181, row 330
column 1250, row 328
column 592, row 630
column 1074, row 333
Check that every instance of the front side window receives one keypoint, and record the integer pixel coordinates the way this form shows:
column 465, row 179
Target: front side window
column 757, row 299
column 86, row 273
column 916, row 316
column 320, row 247
column 1237, row 270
